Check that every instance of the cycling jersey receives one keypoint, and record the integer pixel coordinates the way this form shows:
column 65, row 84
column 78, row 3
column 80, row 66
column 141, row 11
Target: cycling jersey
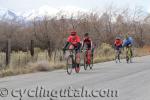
column 74, row 40
column 118, row 42
column 128, row 41
column 87, row 42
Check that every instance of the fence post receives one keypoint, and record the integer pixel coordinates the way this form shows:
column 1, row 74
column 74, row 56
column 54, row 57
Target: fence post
column 32, row 48
column 8, row 51
column 49, row 49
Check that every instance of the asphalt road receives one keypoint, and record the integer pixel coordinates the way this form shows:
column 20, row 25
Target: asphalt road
column 107, row 81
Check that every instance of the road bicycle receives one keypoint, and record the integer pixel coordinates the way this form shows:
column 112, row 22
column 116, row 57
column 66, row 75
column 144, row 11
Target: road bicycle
column 88, row 59
column 71, row 61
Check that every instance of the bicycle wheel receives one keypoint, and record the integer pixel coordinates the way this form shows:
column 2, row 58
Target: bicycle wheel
column 128, row 56
column 119, row 53
column 91, row 65
column 116, row 56
column 127, row 59
column 77, row 69
column 85, row 62
column 69, row 64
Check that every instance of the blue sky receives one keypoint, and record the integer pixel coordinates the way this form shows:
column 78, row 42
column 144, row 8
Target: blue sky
column 24, row 5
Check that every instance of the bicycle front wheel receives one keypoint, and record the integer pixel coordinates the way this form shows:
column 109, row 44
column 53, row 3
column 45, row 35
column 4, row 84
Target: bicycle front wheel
column 85, row 62
column 69, row 64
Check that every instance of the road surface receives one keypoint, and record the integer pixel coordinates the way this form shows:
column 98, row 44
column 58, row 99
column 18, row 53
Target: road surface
column 107, row 81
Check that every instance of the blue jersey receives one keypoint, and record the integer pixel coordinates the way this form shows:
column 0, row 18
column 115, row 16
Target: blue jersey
column 128, row 41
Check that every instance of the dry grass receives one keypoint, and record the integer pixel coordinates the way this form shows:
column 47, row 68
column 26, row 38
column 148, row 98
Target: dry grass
column 104, row 53
column 31, row 68
column 142, row 51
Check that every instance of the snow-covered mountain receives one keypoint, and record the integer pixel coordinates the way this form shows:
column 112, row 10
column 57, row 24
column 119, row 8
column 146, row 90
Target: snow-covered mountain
column 6, row 14
column 50, row 11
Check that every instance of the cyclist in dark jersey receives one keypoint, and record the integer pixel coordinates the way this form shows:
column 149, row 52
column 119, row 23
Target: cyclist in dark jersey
column 87, row 44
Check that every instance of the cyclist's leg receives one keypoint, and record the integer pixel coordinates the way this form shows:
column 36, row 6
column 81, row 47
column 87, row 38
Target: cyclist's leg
column 71, row 46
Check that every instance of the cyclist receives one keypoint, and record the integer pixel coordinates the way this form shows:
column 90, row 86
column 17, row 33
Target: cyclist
column 118, row 45
column 87, row 44
column 73, row 42
column 128, row 42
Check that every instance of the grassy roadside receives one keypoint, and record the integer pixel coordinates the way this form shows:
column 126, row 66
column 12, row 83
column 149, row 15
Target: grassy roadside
column 102, row 54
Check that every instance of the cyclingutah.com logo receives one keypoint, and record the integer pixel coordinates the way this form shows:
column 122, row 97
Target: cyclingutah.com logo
column 57, row 94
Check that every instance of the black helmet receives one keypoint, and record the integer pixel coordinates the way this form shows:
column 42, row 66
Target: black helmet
column 86, row 34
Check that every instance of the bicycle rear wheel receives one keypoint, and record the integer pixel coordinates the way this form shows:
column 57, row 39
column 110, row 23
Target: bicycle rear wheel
column 127, row 59
column 91, row 65
column 69, row 64
column 128, row 56
column 77, row 69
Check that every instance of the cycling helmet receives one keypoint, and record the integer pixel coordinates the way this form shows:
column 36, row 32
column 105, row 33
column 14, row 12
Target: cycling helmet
column 86, row 34
column 73, row 33
column 118, row 37
column 126, row 36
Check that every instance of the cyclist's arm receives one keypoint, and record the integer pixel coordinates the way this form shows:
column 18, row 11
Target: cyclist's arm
column 66, row 45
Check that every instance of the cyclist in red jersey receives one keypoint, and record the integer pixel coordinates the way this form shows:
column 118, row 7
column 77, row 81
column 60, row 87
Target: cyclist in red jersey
column 87, row 44
column 118, row 45
column 73, row 42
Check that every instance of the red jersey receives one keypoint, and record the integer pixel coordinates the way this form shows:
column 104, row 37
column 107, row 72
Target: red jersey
column 74, row 40
column 118, row 42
